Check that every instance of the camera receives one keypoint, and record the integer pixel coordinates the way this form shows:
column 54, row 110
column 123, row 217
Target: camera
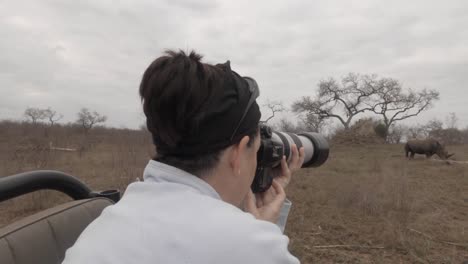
column 276, row 144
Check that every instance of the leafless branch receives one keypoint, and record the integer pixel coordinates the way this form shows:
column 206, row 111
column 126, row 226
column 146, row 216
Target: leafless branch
column 88, row 119
column 342, row 101
column 275, row 107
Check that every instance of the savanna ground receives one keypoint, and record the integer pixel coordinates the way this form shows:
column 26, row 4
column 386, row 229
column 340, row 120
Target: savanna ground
column 367, row 204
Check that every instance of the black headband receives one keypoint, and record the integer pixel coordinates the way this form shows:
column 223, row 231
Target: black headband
column 232, row 115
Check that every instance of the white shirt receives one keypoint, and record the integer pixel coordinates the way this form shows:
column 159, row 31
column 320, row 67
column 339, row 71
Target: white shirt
column 175, row 217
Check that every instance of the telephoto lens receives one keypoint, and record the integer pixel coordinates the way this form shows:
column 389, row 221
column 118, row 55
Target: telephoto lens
column 276, row 144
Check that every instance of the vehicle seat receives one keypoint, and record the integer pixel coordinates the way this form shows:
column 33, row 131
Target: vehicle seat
column 44, row 237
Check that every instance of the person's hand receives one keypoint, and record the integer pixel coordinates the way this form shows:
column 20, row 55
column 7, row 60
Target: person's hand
column 270, row 202
column 267, row 205
column 283, row 174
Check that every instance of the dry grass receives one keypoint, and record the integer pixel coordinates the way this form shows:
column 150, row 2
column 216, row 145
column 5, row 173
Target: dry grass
column 367, row 204
column 107, row 159
column 372, row 197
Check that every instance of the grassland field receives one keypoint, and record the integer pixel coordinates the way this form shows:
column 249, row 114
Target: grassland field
column 366, row 204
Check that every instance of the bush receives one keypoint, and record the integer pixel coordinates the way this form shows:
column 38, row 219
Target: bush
column 381, row 130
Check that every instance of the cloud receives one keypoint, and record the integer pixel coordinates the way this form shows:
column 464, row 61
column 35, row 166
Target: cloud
column 73, row 54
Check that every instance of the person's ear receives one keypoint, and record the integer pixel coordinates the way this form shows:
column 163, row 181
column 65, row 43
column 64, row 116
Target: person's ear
column 236, row 155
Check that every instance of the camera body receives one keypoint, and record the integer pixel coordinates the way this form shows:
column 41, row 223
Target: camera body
column 276, row 144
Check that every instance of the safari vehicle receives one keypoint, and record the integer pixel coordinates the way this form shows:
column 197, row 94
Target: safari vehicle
column 45, row 236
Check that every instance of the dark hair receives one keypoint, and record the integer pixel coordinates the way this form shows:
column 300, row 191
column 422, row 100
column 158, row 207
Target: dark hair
column 175, row 90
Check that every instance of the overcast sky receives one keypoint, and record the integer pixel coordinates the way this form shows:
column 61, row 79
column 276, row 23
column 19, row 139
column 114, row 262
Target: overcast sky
column 74, row 54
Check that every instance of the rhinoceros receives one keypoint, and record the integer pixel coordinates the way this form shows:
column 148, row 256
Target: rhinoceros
column 428, row 147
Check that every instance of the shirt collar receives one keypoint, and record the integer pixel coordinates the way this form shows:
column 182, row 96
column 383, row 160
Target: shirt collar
column 159, row 172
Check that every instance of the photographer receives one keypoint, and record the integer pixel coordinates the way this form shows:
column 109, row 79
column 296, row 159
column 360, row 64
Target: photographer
column 195, row 204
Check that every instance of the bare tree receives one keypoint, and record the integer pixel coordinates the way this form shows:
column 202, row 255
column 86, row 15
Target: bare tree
column 394, row 104
column 88, row 119
column 34, row 114
column 312, row 123
column 340, row 101
column 448, row 135
column 431, row 129
column 52, row 116
column 451, row 120
column 286, row 125
column 433, row 125
column 395, row 133
column 275, row 107
column 416, row 132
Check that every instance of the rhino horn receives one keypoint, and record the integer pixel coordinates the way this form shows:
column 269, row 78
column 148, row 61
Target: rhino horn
column 450, row 155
